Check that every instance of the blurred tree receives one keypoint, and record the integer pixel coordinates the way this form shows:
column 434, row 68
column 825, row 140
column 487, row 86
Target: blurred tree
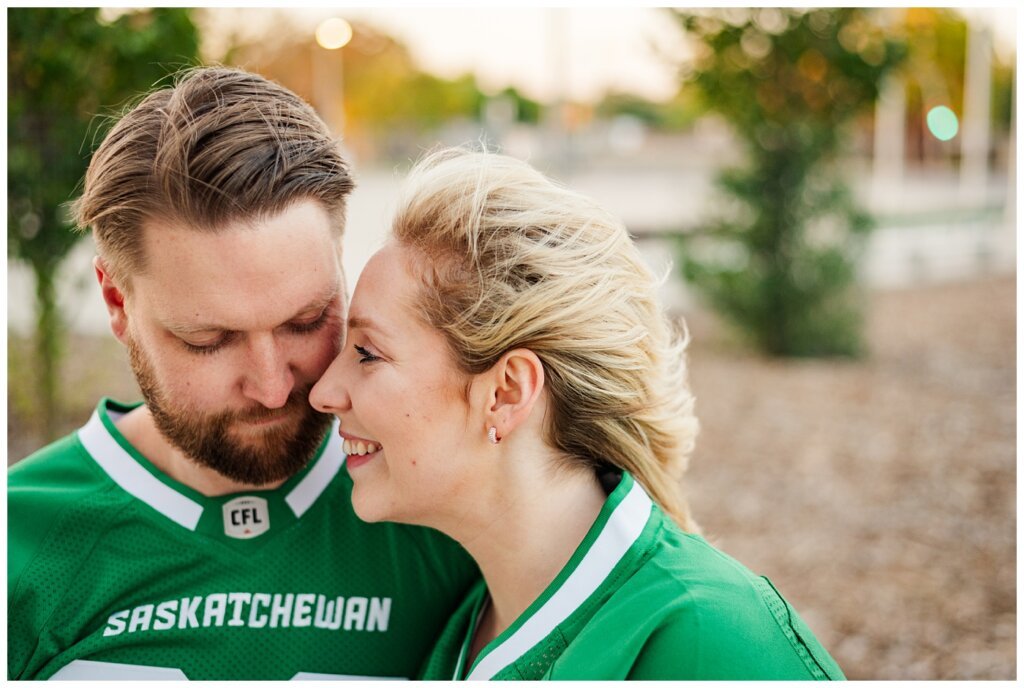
column 780, row 260
column 64, row 65
column 385, row 96
column 527, row 109
column 384, row 89
column 676, row 114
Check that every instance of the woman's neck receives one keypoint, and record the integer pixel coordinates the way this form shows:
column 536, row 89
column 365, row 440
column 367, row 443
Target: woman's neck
column 523, row 535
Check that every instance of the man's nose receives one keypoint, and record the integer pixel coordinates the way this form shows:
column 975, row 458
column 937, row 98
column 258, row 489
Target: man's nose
column 330, row 393
column 269, row 378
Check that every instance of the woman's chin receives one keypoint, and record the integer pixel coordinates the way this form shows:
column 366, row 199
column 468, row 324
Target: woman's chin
column 367, row 506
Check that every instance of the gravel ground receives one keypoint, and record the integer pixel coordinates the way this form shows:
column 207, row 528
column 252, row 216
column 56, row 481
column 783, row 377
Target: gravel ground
column 878, row 495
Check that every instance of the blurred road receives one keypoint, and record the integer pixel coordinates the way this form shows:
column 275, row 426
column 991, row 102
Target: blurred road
column 878, row 495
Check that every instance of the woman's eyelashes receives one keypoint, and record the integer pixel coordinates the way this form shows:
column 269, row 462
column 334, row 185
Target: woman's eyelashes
column 364, row 355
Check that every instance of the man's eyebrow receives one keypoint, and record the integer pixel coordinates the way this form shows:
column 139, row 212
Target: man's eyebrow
column 317, row 304
column 183, row 328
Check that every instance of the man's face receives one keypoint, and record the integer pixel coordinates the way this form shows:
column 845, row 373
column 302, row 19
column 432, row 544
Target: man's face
column 228, row 331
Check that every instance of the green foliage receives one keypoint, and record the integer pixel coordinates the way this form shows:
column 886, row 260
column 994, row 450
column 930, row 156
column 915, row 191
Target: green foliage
column 781, row 262
column 527, row 109
column 1002, row 96
column 64, row 66
column 385, row 90
column 677, row 114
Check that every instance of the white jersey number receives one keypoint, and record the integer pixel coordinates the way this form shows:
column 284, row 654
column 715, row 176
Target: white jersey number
column 88, row 670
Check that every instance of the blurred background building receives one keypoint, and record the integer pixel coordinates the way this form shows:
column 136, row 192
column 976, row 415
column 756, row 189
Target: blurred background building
column 595, row 99
column 900, row 127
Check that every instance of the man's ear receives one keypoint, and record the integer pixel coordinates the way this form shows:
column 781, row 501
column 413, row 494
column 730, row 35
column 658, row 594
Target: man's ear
column 516, row 383
column 113, row 297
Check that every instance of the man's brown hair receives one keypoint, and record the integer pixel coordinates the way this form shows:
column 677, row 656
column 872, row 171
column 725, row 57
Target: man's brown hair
column 220, row 145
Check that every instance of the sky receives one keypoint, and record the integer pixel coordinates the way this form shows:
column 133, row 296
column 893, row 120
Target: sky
column 548, row 53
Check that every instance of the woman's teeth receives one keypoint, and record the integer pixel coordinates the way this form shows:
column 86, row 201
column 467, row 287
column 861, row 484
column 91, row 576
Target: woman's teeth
column 359, row 448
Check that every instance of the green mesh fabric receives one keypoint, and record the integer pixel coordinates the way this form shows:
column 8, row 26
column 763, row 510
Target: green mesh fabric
column 83, row 550
column 672, row 607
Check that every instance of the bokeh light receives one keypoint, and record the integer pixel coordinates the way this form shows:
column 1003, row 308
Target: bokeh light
column 943, row 123
column 333, row 33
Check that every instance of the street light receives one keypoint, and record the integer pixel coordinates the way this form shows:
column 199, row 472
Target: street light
column 331, row 34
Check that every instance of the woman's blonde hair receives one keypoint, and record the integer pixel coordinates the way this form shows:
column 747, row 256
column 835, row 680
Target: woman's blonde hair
column 512, row 259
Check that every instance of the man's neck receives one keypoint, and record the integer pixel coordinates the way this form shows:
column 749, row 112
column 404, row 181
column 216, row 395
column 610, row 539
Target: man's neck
column 139, row 428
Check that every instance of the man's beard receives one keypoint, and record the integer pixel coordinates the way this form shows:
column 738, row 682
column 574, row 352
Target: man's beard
column 275, row 454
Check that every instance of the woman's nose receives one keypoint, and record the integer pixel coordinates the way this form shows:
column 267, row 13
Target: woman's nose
column 330, row 393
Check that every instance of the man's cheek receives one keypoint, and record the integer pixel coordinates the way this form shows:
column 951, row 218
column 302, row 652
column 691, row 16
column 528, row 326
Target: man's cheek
column 335, row 339
column 319, row 361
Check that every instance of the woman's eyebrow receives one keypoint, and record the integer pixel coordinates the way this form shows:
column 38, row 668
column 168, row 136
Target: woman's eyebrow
column 356, row 322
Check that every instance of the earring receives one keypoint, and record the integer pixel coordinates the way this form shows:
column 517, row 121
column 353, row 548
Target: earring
column 492, row 435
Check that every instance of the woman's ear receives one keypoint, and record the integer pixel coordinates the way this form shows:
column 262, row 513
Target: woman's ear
column 113, row 297
column 514, row 384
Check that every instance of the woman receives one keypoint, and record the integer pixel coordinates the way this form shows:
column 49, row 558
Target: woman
column 509, row 379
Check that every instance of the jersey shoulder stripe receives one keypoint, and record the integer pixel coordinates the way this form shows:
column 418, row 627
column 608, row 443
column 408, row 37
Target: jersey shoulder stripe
column 691, row 612
column 694, row 613
column 105, row 449
column 312, row 485
column 615, row 538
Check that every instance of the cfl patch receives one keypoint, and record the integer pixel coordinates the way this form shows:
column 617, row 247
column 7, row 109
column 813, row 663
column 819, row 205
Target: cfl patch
column 246, row 517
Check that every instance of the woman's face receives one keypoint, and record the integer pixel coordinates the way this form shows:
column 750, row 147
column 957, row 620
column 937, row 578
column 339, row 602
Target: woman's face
column 408, row 428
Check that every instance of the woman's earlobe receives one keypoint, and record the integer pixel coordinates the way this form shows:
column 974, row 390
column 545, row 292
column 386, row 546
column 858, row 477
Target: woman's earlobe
column 518, row 383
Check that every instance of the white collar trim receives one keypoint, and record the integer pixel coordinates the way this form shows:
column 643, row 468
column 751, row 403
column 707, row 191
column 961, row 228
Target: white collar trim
column 319, row 477
column 623, row 528
column 124, row 470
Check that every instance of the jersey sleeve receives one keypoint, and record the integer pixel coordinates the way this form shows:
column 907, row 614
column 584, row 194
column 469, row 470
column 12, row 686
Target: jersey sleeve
column 42, row 490
column 709, row 643
column 24, row 534
column 33, row 506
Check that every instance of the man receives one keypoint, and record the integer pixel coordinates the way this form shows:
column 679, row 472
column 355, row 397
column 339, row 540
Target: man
column 208, row 533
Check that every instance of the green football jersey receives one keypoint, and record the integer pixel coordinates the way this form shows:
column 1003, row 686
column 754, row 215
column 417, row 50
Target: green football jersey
column 640, row 599
column 117, row 571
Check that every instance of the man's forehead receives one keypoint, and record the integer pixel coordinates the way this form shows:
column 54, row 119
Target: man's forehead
column 251, row 272
column 194, row 320
column 301, row 232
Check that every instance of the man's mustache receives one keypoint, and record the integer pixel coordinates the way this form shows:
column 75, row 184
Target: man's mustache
column 298, row 398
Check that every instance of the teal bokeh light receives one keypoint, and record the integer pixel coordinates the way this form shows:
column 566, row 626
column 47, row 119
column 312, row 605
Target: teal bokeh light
column 943, row 123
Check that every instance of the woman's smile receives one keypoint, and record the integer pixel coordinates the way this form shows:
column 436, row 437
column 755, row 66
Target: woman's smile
column 358, row 449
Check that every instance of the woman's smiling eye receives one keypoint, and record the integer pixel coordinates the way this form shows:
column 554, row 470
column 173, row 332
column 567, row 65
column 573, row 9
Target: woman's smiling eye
column 365, row 356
